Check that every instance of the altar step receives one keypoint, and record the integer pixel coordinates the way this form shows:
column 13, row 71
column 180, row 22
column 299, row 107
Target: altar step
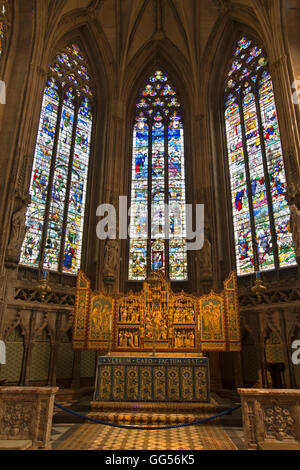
column 147, row 419
column 160, row 413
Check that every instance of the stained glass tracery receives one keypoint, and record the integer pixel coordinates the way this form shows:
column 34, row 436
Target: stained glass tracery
column 158, row 194
column 55, row 217
column 258, row 183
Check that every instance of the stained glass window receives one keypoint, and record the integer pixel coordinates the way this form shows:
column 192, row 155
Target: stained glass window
column 258, row 183
column 158, row 194
column 55, row 217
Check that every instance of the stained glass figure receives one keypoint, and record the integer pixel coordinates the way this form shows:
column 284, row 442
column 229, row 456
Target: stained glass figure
column 158, row 182
column 55, row 217
column 258, row 184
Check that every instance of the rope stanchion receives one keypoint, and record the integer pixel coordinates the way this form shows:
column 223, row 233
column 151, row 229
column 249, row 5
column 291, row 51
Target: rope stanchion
column 147, row 428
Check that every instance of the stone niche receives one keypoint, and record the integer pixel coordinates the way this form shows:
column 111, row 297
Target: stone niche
column 26, row 415
column 271, row 418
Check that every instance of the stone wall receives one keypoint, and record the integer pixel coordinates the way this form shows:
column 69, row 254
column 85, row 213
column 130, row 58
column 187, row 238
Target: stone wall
column 271, row 418
column 26, row 415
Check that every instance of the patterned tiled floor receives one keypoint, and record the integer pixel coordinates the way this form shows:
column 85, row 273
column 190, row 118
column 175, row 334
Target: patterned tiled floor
column 100, row 437
column 60, row 432
column 69, row 434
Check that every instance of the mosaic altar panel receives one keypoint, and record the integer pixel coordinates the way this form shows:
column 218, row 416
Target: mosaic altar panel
column 154, row 379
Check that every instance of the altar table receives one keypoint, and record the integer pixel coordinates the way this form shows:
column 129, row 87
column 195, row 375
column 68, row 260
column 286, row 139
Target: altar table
column 152, row 379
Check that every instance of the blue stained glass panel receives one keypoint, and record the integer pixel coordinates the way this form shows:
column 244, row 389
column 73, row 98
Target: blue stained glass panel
column 57, row 206
column 258, row 184
column 240, row 203
column 156, row 183
column 138, row 260
column 40, row 176
column 158, row 262
column 67, row 173
column 158, row 179
column 76, row 208
column 177, row 201
column 139, row 202
column 276, row 172
column 263, row 154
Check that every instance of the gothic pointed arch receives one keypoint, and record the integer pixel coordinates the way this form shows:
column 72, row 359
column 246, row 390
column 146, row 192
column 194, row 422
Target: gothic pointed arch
column 55, row 217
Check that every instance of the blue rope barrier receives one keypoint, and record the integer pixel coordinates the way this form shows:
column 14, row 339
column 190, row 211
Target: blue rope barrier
column 148, row 428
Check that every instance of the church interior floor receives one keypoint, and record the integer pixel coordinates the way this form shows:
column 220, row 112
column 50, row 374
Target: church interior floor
column 73, row 433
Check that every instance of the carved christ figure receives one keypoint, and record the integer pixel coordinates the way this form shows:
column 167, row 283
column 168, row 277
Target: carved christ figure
column 18, row 227
column 111, row 256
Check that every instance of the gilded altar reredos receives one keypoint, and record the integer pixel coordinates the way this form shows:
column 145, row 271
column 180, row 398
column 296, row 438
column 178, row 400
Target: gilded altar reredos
column 175, row 322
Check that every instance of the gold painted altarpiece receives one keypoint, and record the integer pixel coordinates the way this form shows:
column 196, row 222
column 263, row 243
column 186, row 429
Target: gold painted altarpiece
column 157, row 318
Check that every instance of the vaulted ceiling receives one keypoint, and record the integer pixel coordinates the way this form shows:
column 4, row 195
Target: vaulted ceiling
column 129, row 24
column 126, row 27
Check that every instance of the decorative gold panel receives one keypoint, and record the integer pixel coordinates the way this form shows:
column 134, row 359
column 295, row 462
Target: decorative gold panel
column 146, row 383
column 105, row 383
column 100, row 322
column 187, row 383
column 119, row 382
column 212, row 322
column 132, row 383
column 173, row 383
column 159, row 381
column 156, row 319
column 81, row 311
column 232, row 313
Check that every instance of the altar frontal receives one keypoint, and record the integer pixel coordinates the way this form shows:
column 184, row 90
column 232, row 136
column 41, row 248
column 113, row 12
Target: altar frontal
column 152, row 379
column 157, row 319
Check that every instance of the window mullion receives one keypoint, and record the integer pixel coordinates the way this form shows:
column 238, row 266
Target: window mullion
column 50, row 184
column 249, row 190
column 68, row 190
column 267, row 182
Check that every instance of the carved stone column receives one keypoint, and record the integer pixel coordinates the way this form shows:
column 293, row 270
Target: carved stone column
column 54, row 351
column 24, row 66
column 17, row 229
column 286, row 351
column 286, row 114
column 109, row 277
column 28, row 350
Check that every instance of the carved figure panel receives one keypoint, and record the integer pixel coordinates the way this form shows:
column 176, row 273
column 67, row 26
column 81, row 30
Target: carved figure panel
column 157, row 319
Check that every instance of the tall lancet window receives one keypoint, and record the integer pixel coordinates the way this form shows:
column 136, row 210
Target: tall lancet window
column 158, row 193
column 55, row 218
column 258, row 183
